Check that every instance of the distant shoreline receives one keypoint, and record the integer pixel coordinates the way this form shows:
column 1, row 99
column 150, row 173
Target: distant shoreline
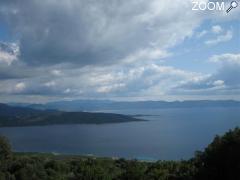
column 82, row 156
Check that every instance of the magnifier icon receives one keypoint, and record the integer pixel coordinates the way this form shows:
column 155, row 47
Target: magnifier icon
column 233, row 4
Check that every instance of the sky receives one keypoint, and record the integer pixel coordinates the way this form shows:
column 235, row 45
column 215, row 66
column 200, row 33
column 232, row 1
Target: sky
column 119, row 50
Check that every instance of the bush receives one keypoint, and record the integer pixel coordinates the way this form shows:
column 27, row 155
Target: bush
column 5, row 149
column 221, row 159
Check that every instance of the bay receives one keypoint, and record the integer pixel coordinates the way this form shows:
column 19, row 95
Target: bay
column 169, row 134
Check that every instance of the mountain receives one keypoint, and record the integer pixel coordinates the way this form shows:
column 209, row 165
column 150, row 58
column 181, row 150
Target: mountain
column 24, row 116
column 96, row 105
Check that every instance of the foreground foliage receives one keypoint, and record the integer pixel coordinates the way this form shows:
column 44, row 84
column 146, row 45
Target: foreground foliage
column 220, row 160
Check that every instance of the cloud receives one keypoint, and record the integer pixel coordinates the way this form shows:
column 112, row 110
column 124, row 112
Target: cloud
column 50, row 84
column 8, row 52
column 20, row 87
column 218, row 83
column 229, row 70
column 12, row 87
column 224, row 81
column 101, row 82
column 95, row 32
column 56, row 72
column 146, row 55
column 105, row 49
column 201, row 34
column 217, row 29
column 109, row 88
column 221, row 38
column 226, row 58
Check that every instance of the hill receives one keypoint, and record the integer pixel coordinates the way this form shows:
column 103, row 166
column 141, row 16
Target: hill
column 24, row 116
column 95, row 105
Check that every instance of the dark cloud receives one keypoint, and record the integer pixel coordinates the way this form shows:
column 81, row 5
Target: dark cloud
column 229, row 74
column 92, row 32
column 13, row 73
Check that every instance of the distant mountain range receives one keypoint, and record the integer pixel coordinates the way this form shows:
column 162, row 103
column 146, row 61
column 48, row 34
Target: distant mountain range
column 24, row 116
column 101, row 105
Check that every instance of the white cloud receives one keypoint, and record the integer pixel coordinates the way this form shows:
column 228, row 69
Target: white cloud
column 109, row 88
column 7, row 58
column 218, row 83
column 8, row 52
column 115, row 81
column 148, row 80
column 146, row 55
column 221, row 38
column 230, row 58
column 56, row 72
column 201, row 34
column 20, row 86
column 67, row 90
column 50, row 84
column 217, row 29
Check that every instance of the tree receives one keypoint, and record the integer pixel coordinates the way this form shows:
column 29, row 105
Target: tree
column 221, row 159
column 5, row 149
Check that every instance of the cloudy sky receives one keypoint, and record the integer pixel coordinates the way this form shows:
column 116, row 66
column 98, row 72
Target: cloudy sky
column 114, row 49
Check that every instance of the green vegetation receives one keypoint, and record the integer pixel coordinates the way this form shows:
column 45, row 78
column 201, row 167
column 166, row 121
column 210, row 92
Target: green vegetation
column 21, row 116
column 220, row 160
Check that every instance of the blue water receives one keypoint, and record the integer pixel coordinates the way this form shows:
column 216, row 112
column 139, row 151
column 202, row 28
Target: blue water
column 170, row 134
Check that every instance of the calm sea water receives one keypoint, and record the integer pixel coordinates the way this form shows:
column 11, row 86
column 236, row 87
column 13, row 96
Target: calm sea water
column 170, row 134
